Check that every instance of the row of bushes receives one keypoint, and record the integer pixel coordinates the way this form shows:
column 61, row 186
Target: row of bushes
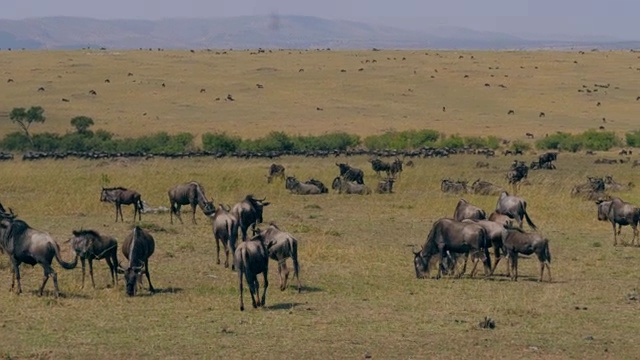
column 278, row 141
column 588, row 140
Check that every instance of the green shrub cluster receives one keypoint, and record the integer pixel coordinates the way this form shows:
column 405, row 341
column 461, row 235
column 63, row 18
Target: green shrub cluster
column 414, row 139
column 633, row 138
column 279, row 141
column 588, row 140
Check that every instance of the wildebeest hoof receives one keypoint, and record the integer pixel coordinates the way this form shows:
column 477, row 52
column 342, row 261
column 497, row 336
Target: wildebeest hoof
column 241, row 308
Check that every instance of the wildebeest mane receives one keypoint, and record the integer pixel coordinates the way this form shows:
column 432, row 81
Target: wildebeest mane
column 90, row 233
column 17, row 229
column 115, row 188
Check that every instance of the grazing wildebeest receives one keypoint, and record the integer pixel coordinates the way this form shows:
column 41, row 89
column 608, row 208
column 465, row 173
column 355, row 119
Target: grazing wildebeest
column 191, row 193
column 547, row 157
column 319, row 184
column 24, row 244
column 296, row 187
column 496, row 233
column 385, row 186
column 251, row 258
column 519, row 242
column 281, row 245
column 464, row 210
column 348, row 187
column 448, row 185
column 378, row 165
column 622, row 213
column 542, row 114
column 138, row 247
column 123, row 196
column 90, row 245
column 350, row 173
column 448, row 235
column 481, row 187
column 518, row 172
column 275, row 170
column 514, row 207
column 225, row 230
column 248, row 212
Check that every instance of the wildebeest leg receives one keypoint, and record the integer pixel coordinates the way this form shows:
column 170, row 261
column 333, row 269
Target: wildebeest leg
column 635, row 234
column 225, row 245
column 93, row 283
column 83, row 271
column 615, row 236
column 218, row 250
column 117, row 206
column 476, row 258
column 193, row 213
column 47, row 270
column 266, row 285
column 464, row 268
column 252, row 281
column 514, row 266
column 146, row 271
column 112, row 270
column 176, row 206
column 240, row 274
column 496, row 252
column 546, row 263
column 284, row 278
column 16, row 275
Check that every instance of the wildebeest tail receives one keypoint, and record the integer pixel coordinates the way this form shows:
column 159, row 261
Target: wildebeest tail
column 232, row 230
column 63, row 263
column 526, row 216
column 547, row 253
column 140, row 204
column 293, row 245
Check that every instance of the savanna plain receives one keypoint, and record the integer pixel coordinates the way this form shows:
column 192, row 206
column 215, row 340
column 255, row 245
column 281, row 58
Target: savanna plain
column 360, row 294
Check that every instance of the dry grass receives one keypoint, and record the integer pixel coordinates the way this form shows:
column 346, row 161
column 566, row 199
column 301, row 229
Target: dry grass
column 360, row 293
column 391, row 93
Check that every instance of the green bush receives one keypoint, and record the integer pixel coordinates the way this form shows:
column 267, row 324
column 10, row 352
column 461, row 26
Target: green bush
column 600, row 140
column 411, row 139
column 590, row 140
column 553, row 141
column 46, row 142
column 453, row 141
column 220, row 142
column 15, row 141
column 519, row 145
column 633, row 138
column 339, row 141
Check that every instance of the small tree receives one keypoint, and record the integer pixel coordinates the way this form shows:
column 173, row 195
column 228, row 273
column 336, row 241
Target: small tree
column 24, row 118
column 82, row 124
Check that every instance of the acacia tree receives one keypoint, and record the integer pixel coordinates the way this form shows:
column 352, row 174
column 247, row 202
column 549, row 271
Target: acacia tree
column 82, row 124
column 24, row 118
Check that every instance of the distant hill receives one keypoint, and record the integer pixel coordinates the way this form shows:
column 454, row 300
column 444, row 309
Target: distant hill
column 254, row 32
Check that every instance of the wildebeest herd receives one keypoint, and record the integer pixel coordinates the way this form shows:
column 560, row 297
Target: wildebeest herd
column 470, row 232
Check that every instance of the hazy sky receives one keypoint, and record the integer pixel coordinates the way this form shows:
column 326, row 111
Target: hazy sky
column 574, row 17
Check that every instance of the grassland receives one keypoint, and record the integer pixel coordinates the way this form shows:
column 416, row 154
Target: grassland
column 360, row 291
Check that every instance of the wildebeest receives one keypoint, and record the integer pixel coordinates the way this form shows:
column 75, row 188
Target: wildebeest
column 123, row 196
column 275, row 170
column 138, row 247
column 396, row 167
column 90, row 245
column 348, row 187
column 500, row 219
column 612, row 185
column 225, row 230
column 448, row 235
column 547, row 158
column 248, row 212
column 514, row 207
column 319, row 184
column 496, row 233
column 481, row 187
column 519, row 242
column 385, row 186
column 24, row 244
column 592, row 189
column 464, row 210
column 378, row 165
column 482, row 164
column 621, row 213
column 191, row 193
column 296, row 187
column 518, row 172
column 251, row 258
column 351, row 173
column 603, row 212
column 456, row 187
column 281, row 245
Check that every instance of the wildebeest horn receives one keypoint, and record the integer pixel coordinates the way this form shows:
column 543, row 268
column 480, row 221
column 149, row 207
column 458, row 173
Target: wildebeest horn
column 263, row 199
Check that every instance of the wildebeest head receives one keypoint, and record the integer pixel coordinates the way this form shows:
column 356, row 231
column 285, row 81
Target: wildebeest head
column 343, row 168
column 421, row 265
column 258, row 205
column 104, row 195
column 132, row 276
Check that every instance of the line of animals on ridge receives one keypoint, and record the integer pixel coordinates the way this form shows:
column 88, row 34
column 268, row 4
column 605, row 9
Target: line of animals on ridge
column 24, row 244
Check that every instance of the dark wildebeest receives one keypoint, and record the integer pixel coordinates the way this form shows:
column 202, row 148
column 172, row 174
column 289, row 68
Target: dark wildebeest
column 24, row 244
column 251, row 258
column 496, row 233
column 519, row 242
column 547, row 158
column 191, row 193
column 296, row 187
column 275, row 170
column 378, row 165
column 464, row 210
column 122, row 196
column 248, row 212
column 448, row 235
column 481, row 187
column 349, row 187
column 518, row 172
column 622, row 213
column 138, row 247
column 514, row 207
column 593, row 189
column 396, row 168
column 385, row 186
column 225, row 230
column 281, row 245
column 319, row 184
column 350, row 173
column 90, row 245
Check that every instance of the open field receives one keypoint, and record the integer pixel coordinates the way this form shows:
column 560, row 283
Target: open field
column 360, row 291
column 398, row 90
